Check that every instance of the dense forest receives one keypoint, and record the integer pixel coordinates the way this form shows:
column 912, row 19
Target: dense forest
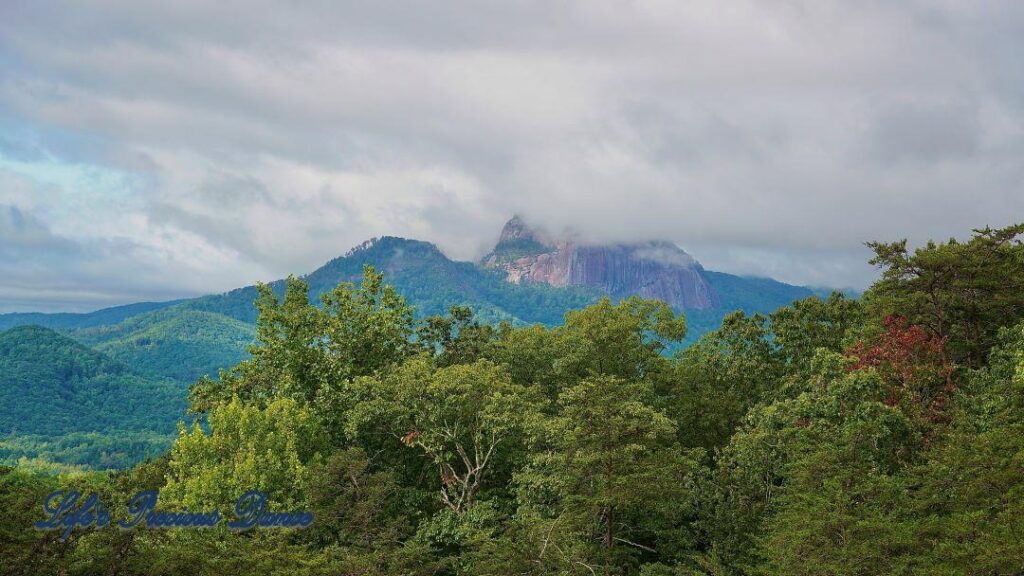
column 63, row 404
column 837, row 436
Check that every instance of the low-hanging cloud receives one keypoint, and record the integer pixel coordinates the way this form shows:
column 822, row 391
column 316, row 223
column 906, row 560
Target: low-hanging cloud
column 217, row 143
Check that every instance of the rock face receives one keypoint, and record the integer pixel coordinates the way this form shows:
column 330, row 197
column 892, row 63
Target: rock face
column 654, row 269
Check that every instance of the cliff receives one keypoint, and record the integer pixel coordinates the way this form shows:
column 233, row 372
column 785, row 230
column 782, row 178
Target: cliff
column 654, row 269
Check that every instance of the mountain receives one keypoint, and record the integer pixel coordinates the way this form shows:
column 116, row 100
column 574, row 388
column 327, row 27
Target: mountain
column 52, row 386
column 529, row 277
column 651, row 269
column 177, row 342
column 66, row 320
column 105, row 389
column 427, row 278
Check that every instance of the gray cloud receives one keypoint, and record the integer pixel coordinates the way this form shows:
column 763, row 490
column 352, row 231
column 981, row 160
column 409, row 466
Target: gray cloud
column 250, row 140
column 43, row 269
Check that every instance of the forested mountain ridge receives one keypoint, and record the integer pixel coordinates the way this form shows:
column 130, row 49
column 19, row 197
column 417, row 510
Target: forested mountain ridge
column 51, row 384
column 70, row 320
column 428, row 278
column 54, row 390
column 187, row 339
column 175, row 342
column 837, row 436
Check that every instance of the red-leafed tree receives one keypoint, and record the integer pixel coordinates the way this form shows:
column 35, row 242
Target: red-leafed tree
column 963, row 292
column 913, row 362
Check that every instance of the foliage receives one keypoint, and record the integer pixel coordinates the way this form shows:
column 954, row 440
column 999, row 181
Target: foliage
column 176, row 342
column 107, row 450
column 963, row 292
column 66, row 403
column 830, row 436
column 303, row 350
column 467, row 420
column 248, row 448
column 608, row 474
column 913, row 363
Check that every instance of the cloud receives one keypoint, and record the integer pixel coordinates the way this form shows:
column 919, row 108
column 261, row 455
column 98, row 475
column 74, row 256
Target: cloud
column 227, row 142
column 44, row 270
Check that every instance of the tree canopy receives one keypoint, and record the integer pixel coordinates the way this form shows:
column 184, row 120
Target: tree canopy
column 836, row 436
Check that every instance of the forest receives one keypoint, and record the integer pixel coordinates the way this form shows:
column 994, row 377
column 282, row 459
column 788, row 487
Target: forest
column 882, row 434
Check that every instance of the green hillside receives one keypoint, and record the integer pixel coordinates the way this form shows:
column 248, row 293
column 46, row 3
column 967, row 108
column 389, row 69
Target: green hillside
column 428, row 279
column 754, row 294
column 52, row 386
column 178, row 342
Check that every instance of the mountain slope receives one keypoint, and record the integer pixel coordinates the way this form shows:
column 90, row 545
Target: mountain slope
column 64, row 405
column 177, row 342
column 427, row 278
column 753, row 294
column 652, row 269
column 52, row 385
column 67, row 320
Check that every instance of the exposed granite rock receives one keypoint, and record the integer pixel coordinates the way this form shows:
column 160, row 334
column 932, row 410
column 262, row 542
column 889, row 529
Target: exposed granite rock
column 655, row 269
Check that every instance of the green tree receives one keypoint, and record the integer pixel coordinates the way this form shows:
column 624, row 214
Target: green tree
column 752, row 359
column 718, row 379
column 466, row 419
column 963, row 292
column 800, row 331
column 971, row 496
column 623, row 340
column 608, row 474
column 841, row 508
column 458, row 338
column 308, row 352
column 249, row 447
column 24, row 550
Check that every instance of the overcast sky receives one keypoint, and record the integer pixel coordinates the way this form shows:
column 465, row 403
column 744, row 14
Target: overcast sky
column 151, row 152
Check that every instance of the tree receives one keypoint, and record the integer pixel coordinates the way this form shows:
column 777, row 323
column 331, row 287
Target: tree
column 718, row 379
column 800, row 331
column 24, row 550
column 356, row 505
column 608, row 472
column 249, row 447
column 754, row 359
column 913, row 363
column 843, row 501
column 466, row 419
column 457, row 338
column 961, row 292
column 308, row 352
column 970, row 499
column 796, row 480
column 623, row 340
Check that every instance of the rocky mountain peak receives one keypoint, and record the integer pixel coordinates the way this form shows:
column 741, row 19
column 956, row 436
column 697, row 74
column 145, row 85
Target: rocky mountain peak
column 516, row 229
column 652, row 269
column 516, row 232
